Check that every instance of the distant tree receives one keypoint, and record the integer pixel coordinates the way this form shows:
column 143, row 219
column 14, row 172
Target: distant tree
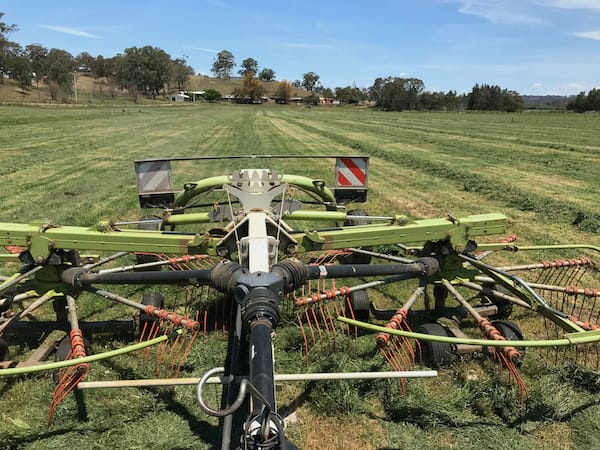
column 100, row 67
column 512, row 101
column 310, row 81
column 223, row 64
column 248, row 65
column 376, row 90
column 114, row 71
column 312, row 99
column 212, row 95
column 85, row 62
column 58, row 72
column 252, row 89
column 8, row 49
column 37, row 54
column 414, row 87
column 146, row 70
column 432, row 101
column 297, row 84
column 266, row 74
column 181, row 72
column 327, row 93
column 452, row 102
column 493, row 98
column 585, row 102
column 593, row 100
column 21, row 71
column 284, row 91
column 579, row 104
column 349, row 94
column 397, row 94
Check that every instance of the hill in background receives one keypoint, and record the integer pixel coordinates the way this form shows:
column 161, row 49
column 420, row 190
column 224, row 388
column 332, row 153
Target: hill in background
column 91, row 90
column 98, row 90
column 546, row 101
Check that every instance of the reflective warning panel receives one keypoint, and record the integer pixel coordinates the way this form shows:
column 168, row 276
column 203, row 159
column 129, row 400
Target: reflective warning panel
column 351, row 172
column 351, row 179
column 153, row 176
column 154, row 183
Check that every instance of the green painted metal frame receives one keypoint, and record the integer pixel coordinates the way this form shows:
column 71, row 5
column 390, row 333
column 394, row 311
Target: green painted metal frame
column 44, row 237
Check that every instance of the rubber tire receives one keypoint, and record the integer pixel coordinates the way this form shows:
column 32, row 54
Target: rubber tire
column 511, row 332
column 4, row 351
column 435, row 354
column 62, row 351
column 153, row 298
column 356, row 258
column 64, row 347
column 505, row 307
column 359, row 300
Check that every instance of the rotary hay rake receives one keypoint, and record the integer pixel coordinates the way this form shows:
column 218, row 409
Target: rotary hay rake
column 249, row 271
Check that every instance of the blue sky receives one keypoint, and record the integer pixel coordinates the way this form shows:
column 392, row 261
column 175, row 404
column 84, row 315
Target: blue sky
column 531, row 46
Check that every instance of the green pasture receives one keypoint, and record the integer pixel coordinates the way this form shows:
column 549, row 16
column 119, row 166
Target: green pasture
column 74, row 165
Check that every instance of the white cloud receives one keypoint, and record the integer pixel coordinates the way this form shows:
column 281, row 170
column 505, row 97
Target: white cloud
column 500, row 11
column 588, row 34
column 536, row 86
column 521, row 12
column 71, row 31
column 202, row 49
column 570, row 4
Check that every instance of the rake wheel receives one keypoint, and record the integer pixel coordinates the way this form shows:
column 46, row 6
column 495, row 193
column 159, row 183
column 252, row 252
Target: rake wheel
column 4, row 351
column 435, row 354
column 511, row 332
column 153, row 298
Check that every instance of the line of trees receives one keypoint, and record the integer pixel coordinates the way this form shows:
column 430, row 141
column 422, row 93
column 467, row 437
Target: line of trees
column 585, row 102
column 494, row 98
column 224, row 63
column 150, row 71
column 146, row 70
column 399, row 94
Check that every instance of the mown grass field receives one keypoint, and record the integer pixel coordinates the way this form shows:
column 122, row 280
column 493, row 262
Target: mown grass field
column 75, row 166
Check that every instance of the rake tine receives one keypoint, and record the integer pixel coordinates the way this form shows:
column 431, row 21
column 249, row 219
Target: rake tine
column 312, row 332
column 333, row 327
column 326, row 326
column 303, row 337
column 341, row 312
column 186, row 352
column 316, row 322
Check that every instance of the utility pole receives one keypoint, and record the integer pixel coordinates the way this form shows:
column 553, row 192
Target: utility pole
column 75, row 85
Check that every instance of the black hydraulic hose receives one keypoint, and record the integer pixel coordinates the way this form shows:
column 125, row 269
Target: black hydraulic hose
column 78, row 277
column 423, row 267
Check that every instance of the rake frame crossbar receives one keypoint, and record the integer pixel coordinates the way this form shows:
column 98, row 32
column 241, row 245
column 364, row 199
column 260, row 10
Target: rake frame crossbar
column 279, row 378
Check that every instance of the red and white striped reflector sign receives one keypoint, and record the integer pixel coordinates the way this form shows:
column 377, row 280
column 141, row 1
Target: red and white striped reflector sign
column 351, row 172
column 153, row 176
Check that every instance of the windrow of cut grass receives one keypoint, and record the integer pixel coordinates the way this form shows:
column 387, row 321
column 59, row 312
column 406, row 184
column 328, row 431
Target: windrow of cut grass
column 75, row 166
column 557, row 185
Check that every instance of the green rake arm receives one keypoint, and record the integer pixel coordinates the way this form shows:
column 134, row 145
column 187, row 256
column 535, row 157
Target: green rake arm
column 87, row 359
column 570, row 339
